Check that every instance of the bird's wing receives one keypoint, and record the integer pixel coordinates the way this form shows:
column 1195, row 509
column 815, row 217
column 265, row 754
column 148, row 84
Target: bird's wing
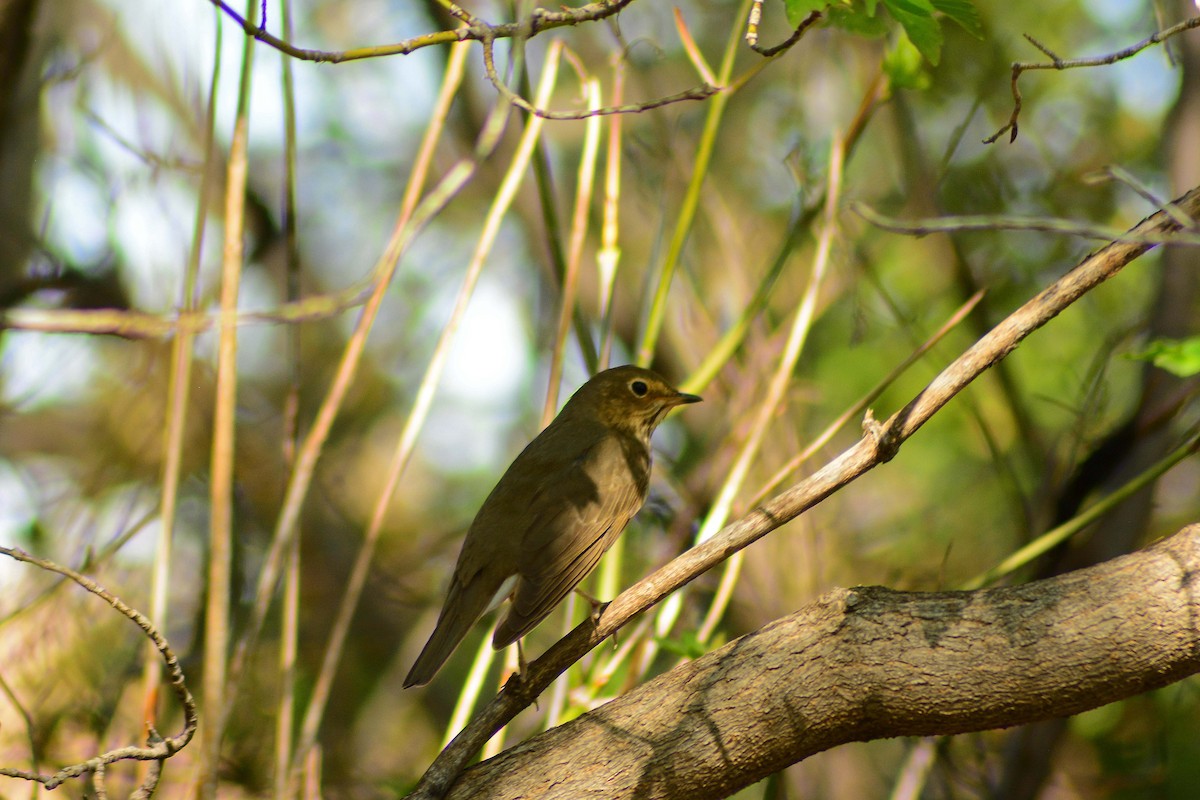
column 574, row 517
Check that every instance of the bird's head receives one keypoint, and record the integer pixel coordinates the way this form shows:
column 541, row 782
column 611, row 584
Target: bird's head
column 629, row 398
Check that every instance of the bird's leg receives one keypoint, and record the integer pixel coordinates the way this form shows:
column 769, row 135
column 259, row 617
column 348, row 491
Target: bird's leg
column 598, row 607
column 519, row 677
column 522, row 664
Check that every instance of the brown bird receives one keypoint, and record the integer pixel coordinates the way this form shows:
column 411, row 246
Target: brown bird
column 556, row 510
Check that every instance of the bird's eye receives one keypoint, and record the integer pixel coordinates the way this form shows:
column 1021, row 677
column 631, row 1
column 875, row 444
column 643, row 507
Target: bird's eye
column 639, row 388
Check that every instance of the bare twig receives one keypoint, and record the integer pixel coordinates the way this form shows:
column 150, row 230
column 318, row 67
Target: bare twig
column 701, row 92
column 786, row 44
column 157, row 748
column 1060, row 63
column 1121, row 175
column 478, row 31
column 986, row 222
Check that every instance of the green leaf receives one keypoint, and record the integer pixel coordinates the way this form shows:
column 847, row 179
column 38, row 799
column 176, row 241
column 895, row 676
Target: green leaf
column 688, row 645
column 1177, row 356
column 916, row 17
column 853, row 19
column 798, row 10
column 904, row 67
column 964, row 13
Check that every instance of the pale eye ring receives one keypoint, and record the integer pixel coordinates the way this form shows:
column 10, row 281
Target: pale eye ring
column 639, row 387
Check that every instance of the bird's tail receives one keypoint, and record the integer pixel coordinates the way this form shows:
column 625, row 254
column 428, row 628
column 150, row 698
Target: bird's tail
column 465, row 604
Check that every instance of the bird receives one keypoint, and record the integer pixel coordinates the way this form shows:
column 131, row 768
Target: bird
column 557, row 508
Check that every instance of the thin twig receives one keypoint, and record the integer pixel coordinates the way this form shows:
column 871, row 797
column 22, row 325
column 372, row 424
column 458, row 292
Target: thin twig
column 157, row 748
column 986, row 222
column 539, row 20
column 786, row 44
column 701, row 92
column 1124, row 176
column 1056, row 62
column 775, row 391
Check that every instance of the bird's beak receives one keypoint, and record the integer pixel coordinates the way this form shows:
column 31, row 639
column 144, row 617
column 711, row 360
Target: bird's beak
column 682, row 399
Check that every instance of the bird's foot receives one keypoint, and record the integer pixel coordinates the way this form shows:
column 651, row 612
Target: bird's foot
column 598, row 606
column 518, row 680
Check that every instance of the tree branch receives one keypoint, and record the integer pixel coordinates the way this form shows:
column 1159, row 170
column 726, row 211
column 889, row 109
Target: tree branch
column 867, row 663
column 539, row 19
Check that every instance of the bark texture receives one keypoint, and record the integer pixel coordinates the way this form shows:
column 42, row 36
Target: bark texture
column 867, row 663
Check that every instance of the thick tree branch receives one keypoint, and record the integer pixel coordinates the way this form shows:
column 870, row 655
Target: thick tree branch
column 878, row 447
column 868, row 663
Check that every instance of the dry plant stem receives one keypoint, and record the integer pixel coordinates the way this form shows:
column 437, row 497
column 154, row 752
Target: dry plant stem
column 158, row 747
column 578, row 235
column 608, row 257
column 35, row 749
column 1005, row 223
column 868, row 662
column 776, row 389
column 915, row 772
column 513, row 176
column 220, row 547
column 411, row 220
column 289, row 610
column 421, row 406
column 288, row 646
column 732, row 339
column 878, row 447
column 1055, row 62
column 178, row 396
column 1052, row 538
column 693, row 50
column 140, row 325
column 687, row 209
column 701, row 92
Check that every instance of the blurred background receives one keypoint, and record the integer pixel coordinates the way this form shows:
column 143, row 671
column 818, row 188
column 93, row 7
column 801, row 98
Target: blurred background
column 113, row 220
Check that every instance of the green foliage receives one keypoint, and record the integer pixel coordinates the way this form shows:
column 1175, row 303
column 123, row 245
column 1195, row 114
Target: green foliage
column 1177, row 356
column 858, row 21
column 797, row 10
column 686, row 645
column 964, row 13
column 904, row 66
column 920, row 20
column 920, row 26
